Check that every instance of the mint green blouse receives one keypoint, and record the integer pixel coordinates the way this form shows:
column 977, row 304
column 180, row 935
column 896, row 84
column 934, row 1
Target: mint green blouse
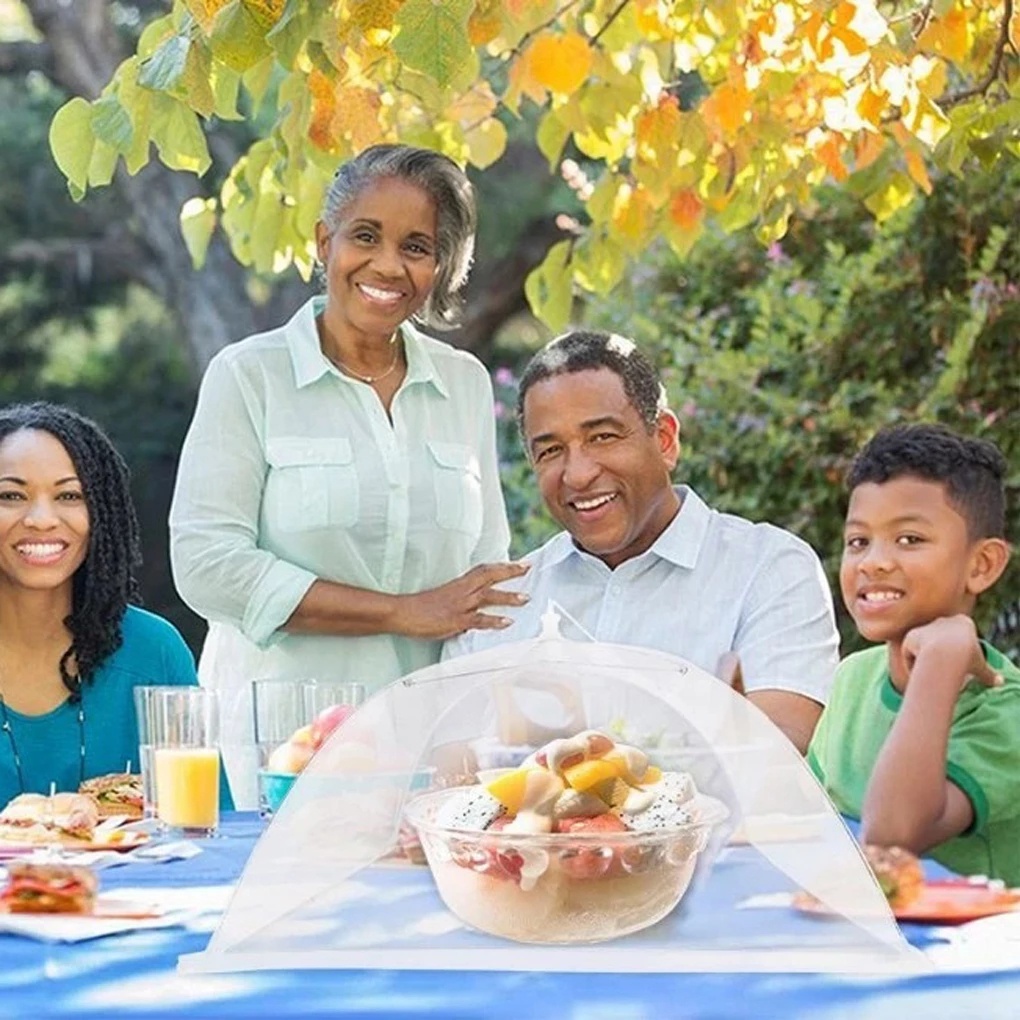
column 293, row 471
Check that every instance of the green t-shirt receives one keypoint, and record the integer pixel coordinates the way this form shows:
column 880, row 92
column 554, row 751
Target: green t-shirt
column 983, row 757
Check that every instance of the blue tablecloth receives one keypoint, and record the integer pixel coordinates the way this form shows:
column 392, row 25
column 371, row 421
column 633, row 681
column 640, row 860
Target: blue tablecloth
column 134, row 975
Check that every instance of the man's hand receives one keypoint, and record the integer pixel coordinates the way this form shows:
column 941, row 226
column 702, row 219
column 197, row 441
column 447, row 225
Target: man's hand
column 459, row 605
column 949, row 646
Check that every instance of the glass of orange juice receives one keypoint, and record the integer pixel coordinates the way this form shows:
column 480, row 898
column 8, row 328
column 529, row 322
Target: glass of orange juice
column 186, row 759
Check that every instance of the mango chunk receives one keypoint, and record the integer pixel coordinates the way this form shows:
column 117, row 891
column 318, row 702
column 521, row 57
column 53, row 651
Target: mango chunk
column 509, row 789
column 587, row 774
column 652, row 775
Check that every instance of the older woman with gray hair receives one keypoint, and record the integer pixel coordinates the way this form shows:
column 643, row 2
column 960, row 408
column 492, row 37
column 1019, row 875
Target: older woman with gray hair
column 338, row 510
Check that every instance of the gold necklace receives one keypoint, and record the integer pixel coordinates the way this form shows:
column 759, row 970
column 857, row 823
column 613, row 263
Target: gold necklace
column 370, row 379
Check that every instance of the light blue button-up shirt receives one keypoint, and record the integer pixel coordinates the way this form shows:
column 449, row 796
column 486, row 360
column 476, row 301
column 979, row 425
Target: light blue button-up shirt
column 710, row 583
column 293, row 471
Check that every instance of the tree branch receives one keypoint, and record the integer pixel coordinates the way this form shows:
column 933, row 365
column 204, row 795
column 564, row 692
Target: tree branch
column 951, row 99
column 21, row 57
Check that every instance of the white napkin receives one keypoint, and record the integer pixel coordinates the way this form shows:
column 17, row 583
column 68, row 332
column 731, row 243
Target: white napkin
column 991, row 943
column 99, row 859
column 173, row 907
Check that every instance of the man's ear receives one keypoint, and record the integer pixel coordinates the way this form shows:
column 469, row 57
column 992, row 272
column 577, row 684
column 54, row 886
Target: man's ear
column 321, row 242
column 988, row 560
column 667, row 432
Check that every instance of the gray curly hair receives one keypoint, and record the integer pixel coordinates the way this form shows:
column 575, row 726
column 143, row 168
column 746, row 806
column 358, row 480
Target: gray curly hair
column 447, row 185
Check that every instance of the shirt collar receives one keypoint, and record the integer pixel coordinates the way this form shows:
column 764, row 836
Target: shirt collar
column 680, row 543
column 310, row 364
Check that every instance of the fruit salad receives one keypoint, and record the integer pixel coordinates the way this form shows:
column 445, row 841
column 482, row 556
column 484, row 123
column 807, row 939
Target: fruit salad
column 584, row 841
column 296, row 752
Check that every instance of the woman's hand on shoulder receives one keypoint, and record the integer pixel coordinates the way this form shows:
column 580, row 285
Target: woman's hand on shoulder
column 460, row 605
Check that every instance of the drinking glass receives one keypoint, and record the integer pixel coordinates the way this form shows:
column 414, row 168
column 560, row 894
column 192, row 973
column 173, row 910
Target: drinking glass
column 144, row 697
column 293, row 717
column 185, row 741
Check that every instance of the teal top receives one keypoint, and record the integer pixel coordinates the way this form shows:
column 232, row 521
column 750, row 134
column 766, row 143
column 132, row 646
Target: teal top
column 49, row 745
column 982, row 757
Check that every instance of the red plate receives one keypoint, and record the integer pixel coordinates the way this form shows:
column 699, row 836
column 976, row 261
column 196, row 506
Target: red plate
column 951, row 901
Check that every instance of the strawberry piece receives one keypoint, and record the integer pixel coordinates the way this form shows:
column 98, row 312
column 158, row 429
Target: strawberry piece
column 589, row 861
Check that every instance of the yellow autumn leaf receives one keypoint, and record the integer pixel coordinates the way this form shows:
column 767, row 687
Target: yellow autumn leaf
column 485, row 23
column 728, row 107
column 947, row 35
column 560, row 62
column 320, row 128
column 373, row 16
column 871, row 106
column 486, row 142
column 917, row 170
column 632, row 217
column 657, row 130
column 892, row 196
column 357, row 116
column 686, row 209
column 830, row 154
column 926, row 122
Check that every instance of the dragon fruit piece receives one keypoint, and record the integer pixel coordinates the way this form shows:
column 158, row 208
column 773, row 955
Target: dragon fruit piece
column 663, row 815
column 676, row 786
column 474, row 809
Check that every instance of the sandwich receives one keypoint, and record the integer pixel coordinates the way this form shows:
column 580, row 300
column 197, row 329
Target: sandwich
column 119, row 793
column 68, row 819
column 899, row 873
column 48, row 889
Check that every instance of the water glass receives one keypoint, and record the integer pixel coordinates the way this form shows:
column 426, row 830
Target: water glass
column 293, row 717
column 144, row 697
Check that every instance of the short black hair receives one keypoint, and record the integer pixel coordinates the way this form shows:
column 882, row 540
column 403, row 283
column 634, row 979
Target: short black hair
column 105, row 583
column 972, row 470
column 583, row 350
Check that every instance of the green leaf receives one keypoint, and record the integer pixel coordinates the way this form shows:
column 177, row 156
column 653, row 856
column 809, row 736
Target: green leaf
column 257, row 79
column 226, row 83
column 433, row 37
column 111, row 123
column 154, row 34
column 549, row 287
column 102, row 164
column 486, row 142
column 197, row 72
column 237, row 38
column 178, row 136
column 297, row 25
column 265, row 231
column 72, row 142
column 162, row 71
column 552, row 137
column 198, row 220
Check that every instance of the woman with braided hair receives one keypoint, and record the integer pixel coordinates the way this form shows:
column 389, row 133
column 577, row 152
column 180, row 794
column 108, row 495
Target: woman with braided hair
column 73, row 642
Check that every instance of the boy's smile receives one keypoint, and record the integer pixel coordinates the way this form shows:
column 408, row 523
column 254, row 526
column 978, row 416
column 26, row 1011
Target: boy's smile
column 907, row 558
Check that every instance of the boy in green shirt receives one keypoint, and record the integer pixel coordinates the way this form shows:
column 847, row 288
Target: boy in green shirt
column 920, row 738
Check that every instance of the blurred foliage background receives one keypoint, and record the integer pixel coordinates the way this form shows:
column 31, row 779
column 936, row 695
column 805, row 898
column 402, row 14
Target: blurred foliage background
column 779, row 361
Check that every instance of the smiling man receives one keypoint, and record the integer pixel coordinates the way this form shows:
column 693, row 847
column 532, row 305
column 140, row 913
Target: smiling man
column 644, row 562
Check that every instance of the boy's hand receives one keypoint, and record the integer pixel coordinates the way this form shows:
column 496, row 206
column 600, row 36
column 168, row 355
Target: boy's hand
column 951, row 643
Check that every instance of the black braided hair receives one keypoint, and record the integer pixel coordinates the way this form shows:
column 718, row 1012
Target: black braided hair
column 105, row 583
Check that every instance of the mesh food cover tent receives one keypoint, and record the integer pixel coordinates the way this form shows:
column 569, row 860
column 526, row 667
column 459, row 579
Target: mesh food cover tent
column 322, row 887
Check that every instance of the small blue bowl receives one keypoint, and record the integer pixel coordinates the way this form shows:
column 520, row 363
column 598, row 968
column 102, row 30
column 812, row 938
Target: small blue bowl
column 273, row 787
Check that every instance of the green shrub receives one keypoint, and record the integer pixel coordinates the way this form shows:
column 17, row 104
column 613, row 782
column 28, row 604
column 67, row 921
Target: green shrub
column 781, row 362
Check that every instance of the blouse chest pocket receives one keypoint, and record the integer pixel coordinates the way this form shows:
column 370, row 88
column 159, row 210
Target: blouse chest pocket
column 457, row 480
column 312, row 483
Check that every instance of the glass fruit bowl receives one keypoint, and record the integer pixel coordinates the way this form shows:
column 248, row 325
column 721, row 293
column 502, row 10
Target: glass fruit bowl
column 561, row 887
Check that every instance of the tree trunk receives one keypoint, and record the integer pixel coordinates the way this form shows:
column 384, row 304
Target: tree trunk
column 212, row 305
